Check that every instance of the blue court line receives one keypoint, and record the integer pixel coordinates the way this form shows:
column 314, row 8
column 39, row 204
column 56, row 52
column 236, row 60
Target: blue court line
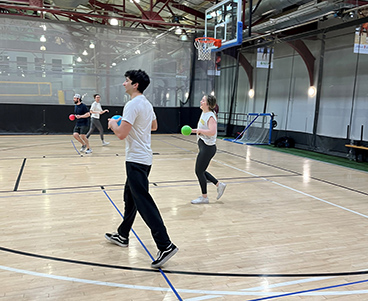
column 75, row 147
column 148, row 252
column 311, row 290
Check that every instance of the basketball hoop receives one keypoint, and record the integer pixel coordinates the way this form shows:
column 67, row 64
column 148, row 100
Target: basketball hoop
column 204, row 46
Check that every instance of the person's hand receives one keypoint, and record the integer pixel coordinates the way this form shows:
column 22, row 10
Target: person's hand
column 111, row 122
column 78, row 116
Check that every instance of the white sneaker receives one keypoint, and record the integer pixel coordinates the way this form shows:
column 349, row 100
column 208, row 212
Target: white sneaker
column 220, row 190
column 200, row 200
column 105, row 143
column 83, row 148
column 88, row 151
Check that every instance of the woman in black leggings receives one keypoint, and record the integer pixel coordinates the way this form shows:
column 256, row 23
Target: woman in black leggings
column 206, row 136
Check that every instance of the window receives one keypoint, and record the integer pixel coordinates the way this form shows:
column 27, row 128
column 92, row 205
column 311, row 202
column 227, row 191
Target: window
column 57, row 68
column 21, row 66
column 40, row 67
column 4, row 65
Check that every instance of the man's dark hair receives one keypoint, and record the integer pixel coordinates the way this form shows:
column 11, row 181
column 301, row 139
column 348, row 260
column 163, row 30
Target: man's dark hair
column 94, row 96
column 140, row 77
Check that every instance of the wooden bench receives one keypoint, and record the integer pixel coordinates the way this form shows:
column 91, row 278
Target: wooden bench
column 360, row 152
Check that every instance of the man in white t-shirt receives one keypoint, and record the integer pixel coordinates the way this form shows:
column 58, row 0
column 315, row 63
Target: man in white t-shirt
column 96, row 111
column 137, row 122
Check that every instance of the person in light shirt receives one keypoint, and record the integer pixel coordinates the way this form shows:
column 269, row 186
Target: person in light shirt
column 96, row 111
column 137, row 122
column 206, row 138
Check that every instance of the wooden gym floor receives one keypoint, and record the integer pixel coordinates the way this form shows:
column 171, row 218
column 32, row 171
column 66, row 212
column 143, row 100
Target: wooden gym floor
column 286, row 228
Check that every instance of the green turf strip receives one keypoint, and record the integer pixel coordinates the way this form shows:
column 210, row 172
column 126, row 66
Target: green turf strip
column 318, row 156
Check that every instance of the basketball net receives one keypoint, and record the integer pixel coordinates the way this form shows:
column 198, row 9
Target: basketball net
column 204, row 46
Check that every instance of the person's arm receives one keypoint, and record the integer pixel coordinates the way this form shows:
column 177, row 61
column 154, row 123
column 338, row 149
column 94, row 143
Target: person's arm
column 86, row 115
column 154, row 125
column 103, row 112
column 99, row 112
column 121, row 131
column 212, row 126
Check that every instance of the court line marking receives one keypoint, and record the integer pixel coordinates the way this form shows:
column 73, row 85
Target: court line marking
column 144, row 247
column 293, row 189
column 262, row 287
column 20, row 175
column 206, row 274
column 307, row 292
column 306, row 195
column 313, row 292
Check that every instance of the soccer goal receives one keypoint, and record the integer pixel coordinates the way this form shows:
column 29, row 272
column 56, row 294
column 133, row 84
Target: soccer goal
column 257, row 131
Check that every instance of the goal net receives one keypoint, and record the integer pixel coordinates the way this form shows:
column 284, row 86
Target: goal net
column 257, row 131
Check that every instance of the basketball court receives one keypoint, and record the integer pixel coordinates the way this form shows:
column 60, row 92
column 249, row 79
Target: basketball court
column 286, row 228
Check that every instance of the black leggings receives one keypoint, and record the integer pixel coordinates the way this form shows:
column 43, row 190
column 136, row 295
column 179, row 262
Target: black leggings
column 95, row 123
column 204, row 157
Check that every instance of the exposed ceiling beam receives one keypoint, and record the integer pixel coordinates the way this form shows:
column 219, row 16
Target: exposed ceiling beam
column 189, row 10
column 97, row 16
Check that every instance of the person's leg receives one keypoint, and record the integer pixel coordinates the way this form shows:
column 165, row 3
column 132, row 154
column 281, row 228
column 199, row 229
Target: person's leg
column 204, row 157
column 99, row 128
column 130, row 212
column 84, row 130
column 211, row 151
column 92, row 127
column 220, row 186
column 85, row 140
column 138, row 183
column 76, row 134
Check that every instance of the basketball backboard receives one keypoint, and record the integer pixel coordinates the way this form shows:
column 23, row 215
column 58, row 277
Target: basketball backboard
column 223, row 21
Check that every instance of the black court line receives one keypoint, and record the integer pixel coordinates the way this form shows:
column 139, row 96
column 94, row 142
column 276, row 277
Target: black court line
column 191, row 273
column 65, row 156
column 20, row 175
column 288, row 170
column 223, row 151
column 28, row 146
column 153, row 183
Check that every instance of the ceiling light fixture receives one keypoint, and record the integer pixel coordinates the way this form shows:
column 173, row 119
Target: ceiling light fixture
column 91, row 45
column 178, row 30
column 43, row 38
column 114, row 22
column 312, row 91
column 85, row 52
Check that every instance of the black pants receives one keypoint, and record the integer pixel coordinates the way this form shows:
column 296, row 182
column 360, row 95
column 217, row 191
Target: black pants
column 137, row 198
column 95, row 123
column 204, row 157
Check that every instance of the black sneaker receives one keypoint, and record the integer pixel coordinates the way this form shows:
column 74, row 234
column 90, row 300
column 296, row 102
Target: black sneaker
column 117, row 239
column 164, row 256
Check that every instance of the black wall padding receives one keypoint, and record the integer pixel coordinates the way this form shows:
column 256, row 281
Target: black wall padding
column 53, row 119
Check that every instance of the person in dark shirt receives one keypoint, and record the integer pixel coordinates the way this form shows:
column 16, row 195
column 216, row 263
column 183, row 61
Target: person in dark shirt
column 81, row 127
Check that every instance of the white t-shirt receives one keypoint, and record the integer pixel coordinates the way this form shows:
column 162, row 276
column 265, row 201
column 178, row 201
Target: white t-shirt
column 203, row 124
column 96, row 107
column 139, row 113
